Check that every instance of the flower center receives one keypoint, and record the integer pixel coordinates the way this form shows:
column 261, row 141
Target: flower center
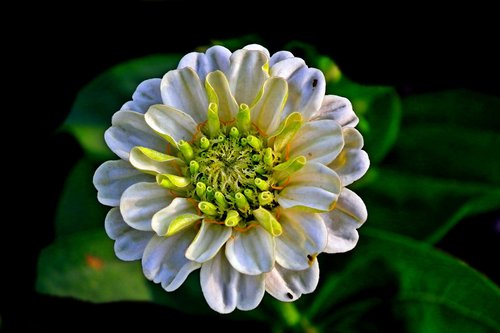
column 230, row 168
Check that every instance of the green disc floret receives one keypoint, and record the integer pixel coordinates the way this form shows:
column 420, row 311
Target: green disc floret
column 230, row 168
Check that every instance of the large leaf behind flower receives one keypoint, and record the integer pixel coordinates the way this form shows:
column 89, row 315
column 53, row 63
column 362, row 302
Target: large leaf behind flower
column 84, row 266
column 391, row 283
column 442, row 168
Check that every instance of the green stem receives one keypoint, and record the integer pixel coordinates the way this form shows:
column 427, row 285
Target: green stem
column 293, row 320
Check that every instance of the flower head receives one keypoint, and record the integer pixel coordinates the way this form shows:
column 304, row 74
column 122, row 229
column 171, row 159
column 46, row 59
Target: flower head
column 237, row 164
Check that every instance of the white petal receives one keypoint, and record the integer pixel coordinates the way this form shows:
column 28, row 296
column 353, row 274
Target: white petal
column 167, row 165
column 146, row 94
column 304, row 237
column 349, row 214
column 182, row 89
column 319, row 141
column 208, row 241
column 266, row 113
column 163, row 218
column 352, row 162
column 247, row 74
column 257, row 47
column 315, row 187
column 129, row 243
column 215, row 58
column 113, row 177
column 225, row 289
column 279, row 56
column 220, row 94
column 141, row 201
column 306, row 86
column 164, row 261
column 129, row 129
column 251, row 252
column 337, row 108
column 287, row 285
column 287, row 67
column 171, row 123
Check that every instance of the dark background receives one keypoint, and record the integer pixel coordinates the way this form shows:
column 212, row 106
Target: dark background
column 416, row 50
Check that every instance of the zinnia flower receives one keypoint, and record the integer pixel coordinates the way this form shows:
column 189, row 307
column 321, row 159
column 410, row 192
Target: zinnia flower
column 235, row 164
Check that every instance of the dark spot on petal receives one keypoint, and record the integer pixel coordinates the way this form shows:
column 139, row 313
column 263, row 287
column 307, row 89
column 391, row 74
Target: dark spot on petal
column 290, row 296
column 309, row 257
column 309, row 154
column 315, row 83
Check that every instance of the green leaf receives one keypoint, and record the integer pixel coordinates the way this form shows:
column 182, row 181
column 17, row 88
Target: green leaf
column 94, row 106
column 413, row 205
column 457, row 108
column 84, row 266
column 449, row 152
column 392, row 283
column 378, row 107
column 78, row 208
column 483, row 204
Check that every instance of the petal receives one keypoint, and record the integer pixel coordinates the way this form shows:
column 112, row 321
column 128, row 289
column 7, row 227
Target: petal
column 247, row 74
column 287, row 285
column 164, row 261
column 319, row 141
column 315, row 187
column 129, row 243
column 306, row 86
column 304, row 237
column 208, row 241
column 215, row 58
column 141, row 201
column 153, row 162
column 279, row 56
column 219, row 93
column 257, row 47
column 349, row 214
column 182, row 89
column 174, row 125
column 266, row 113
column 337, row 108
column 113, row 177
column 251, row 252
column 146, row 94
column 162, row 219
column 129, row 129
column 225, row 289
column 352, row 162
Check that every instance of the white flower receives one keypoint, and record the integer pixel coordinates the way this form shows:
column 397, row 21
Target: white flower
column 237, row 164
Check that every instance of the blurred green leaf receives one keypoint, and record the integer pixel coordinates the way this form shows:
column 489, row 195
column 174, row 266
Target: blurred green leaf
column 78, row 208
column 417, row 206
column 84, row 266
column 457, row 108
column 390, row 279
column 482, row 204
column 448, row 152
column 447, row 166
column 102, row 97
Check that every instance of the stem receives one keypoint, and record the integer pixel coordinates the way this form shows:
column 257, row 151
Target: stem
column 293, row 320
